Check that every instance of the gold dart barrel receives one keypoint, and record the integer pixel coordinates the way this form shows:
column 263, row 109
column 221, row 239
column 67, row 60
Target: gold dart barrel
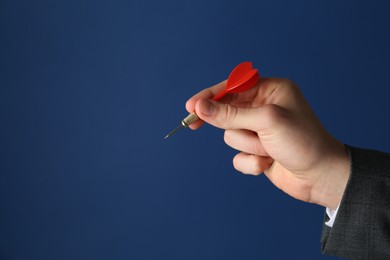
column 189, row 119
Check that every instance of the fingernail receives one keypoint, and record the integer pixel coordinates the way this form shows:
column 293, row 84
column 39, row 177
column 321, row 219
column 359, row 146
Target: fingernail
column 207, row 108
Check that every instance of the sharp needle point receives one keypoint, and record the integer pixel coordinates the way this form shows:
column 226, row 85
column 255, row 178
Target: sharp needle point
column 174, row 131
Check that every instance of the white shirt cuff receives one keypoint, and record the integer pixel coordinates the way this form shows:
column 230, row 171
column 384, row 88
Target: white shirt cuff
column 332, row 216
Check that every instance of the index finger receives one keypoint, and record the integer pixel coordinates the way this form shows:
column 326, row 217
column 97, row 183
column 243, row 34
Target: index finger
column 207, row 93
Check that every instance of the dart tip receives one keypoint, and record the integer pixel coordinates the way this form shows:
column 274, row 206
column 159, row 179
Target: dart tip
column 174, row 131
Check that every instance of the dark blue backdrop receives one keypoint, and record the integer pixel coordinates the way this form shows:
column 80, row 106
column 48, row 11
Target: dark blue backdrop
column 88, row 90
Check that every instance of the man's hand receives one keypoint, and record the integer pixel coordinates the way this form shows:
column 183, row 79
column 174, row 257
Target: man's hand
column 277, row 133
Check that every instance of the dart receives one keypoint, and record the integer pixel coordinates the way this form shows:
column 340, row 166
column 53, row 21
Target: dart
column 242, row 78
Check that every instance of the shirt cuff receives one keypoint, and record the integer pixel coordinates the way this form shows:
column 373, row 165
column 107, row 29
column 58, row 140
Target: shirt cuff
column 332, row 216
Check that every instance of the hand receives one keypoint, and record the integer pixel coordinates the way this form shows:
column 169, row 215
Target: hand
column 277, row 133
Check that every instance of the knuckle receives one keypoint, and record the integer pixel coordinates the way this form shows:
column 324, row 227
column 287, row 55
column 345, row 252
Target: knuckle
column 253, row 148
column 231, row 113
column 272, row 115
column 287, row 82
column 290, row 85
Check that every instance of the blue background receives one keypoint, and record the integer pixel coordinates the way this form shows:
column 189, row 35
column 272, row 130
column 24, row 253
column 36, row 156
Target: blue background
column 88, row 90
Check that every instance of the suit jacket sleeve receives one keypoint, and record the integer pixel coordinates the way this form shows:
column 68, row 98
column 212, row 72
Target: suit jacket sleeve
column 362, row 226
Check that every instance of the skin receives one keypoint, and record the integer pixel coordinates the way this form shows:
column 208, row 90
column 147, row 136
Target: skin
column 277, row 133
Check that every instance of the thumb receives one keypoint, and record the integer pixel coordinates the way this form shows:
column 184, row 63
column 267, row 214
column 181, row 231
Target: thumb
column 227, row 116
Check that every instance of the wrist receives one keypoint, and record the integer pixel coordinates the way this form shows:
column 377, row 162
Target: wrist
column 333, row 177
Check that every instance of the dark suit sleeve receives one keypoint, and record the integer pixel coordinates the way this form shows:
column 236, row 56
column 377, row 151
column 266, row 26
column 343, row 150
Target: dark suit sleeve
column 362, row 226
